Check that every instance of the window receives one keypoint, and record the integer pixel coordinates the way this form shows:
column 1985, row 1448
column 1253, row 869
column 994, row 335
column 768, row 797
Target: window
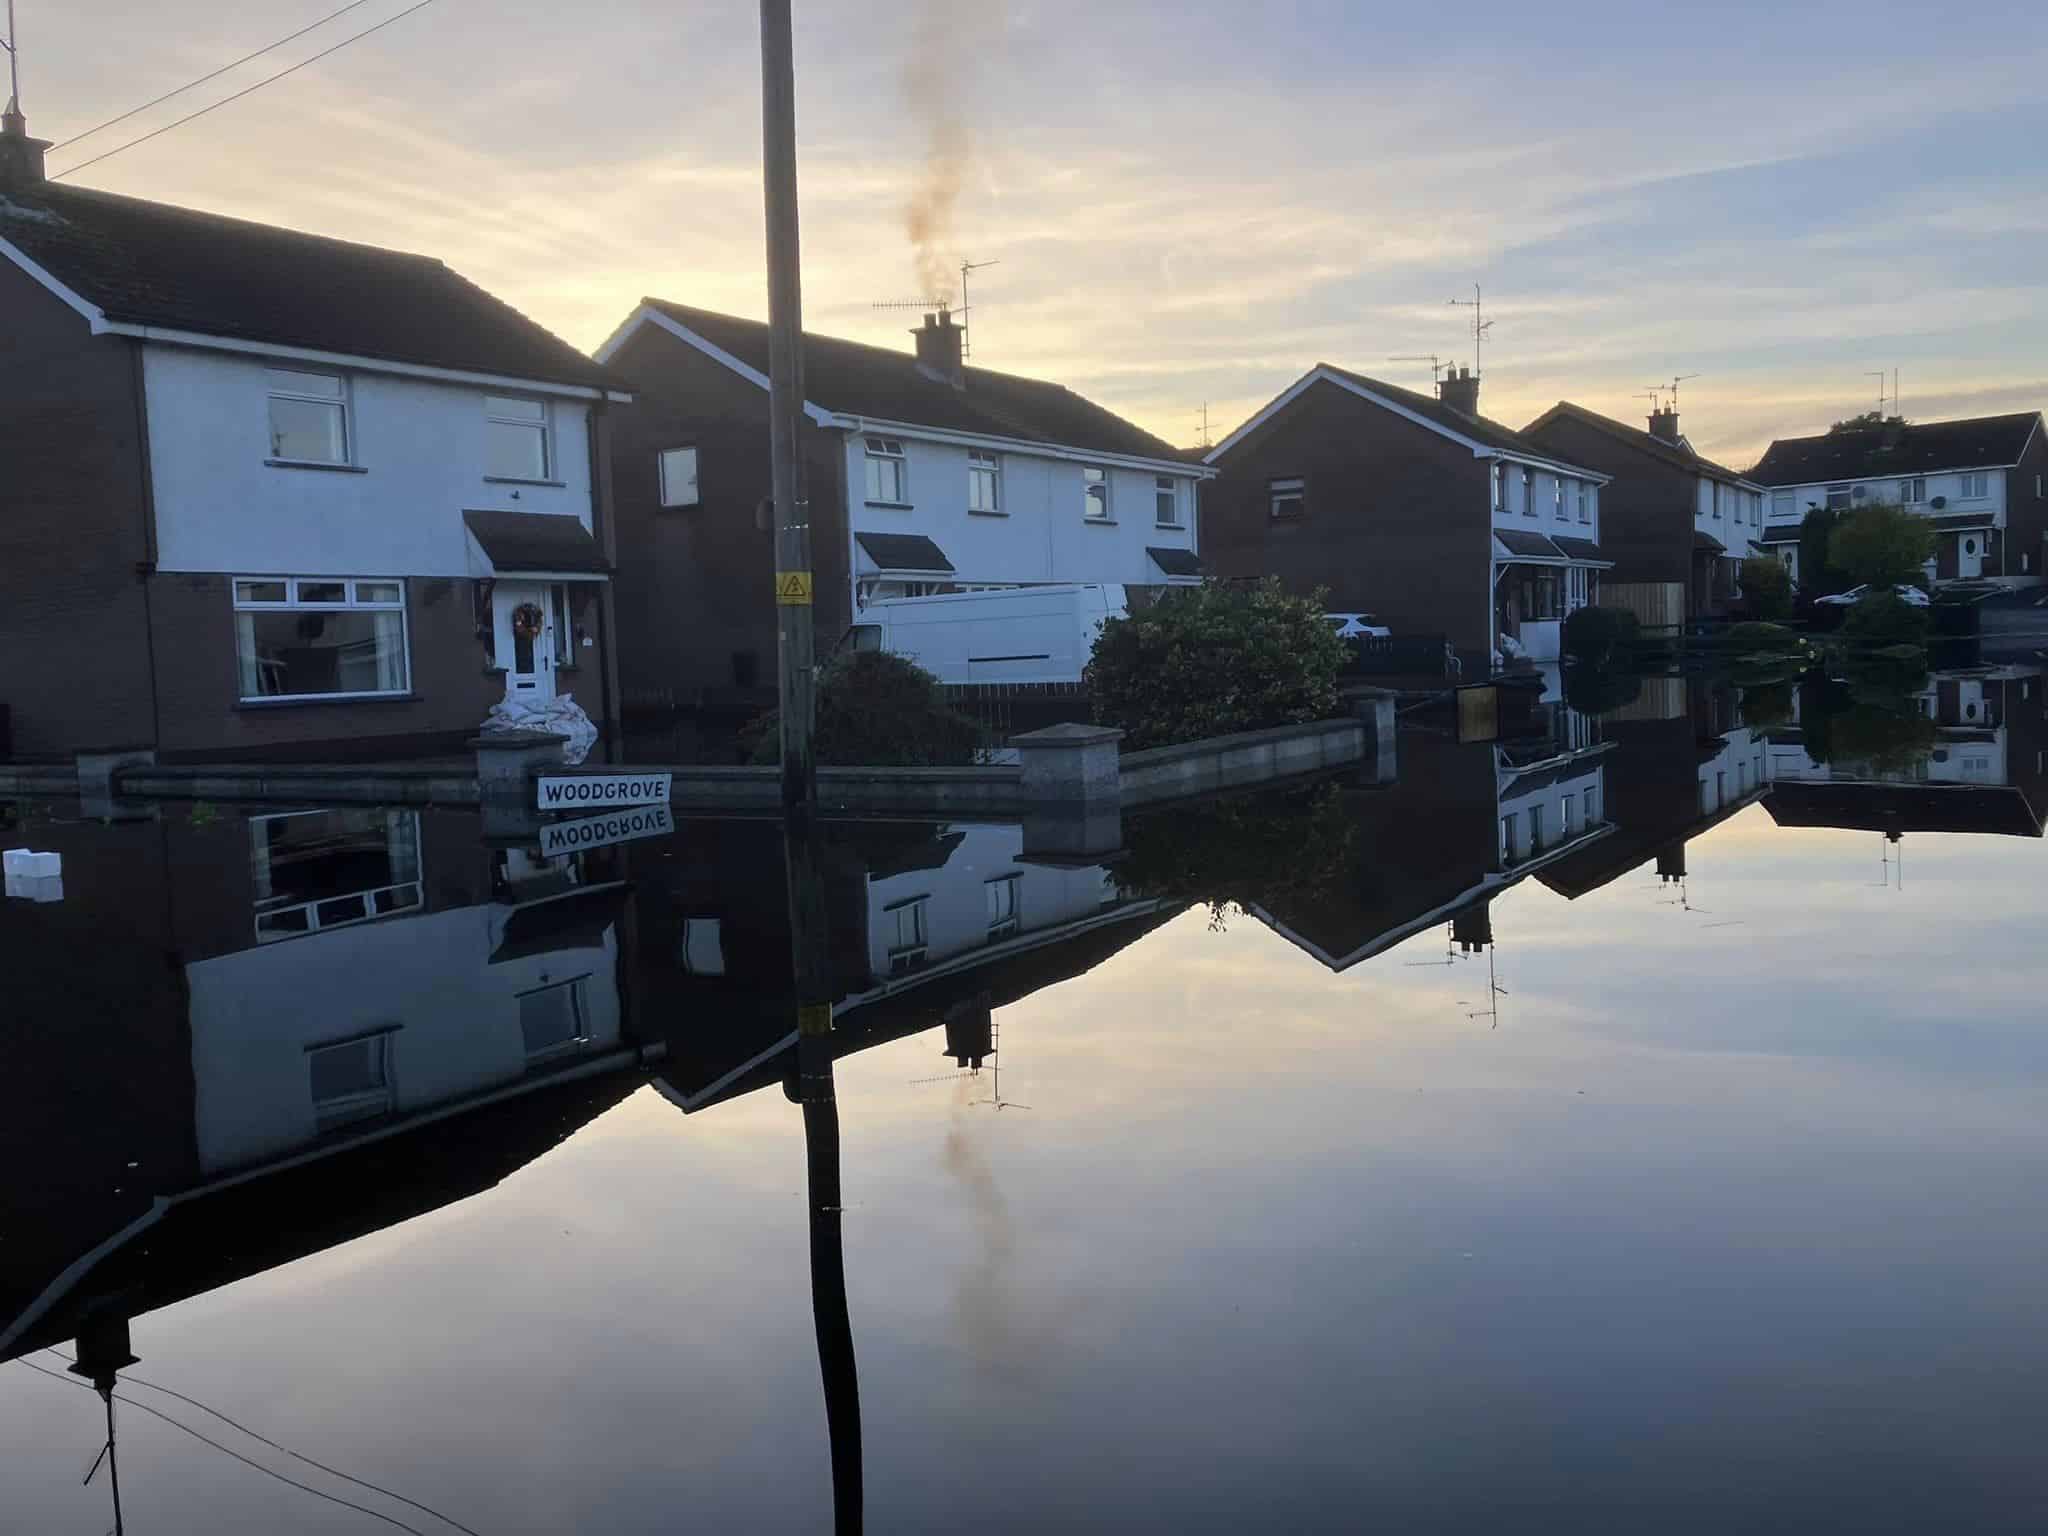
column 1095, row 493
column 908, row 934
column 678, row 469
column 351, row 1080
column 300, row 638
column 515, row 438
column 1535, row 829
column 565, row 628
column 551, row 1020
column 1720, row 500
column 984, row 482
column 1166, row 501
column 1586, row 815
column 703, row 949
column 1528, row 492
column 1500, row 487
column 1557, row 498
column 1976, row 486
column 1507, row 839
column 1565, row 808
column 1585, row 503
column 1286, row 498
column 1002, row 906
column 308, row 417
column 313, row 870
column 887, row 480
column 1838, row 498
column 1912, row 492
column 1782, row 509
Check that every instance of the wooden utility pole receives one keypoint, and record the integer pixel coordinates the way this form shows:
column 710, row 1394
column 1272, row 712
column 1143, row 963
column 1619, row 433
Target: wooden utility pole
column 797, row 650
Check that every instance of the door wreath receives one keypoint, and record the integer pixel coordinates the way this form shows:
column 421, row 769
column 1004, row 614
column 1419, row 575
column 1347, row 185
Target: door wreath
column 527, row 620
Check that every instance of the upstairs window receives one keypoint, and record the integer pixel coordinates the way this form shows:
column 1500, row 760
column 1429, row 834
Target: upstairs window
column 887, row 479
column 1838, row 498
column 1720, row 498
column 1914, row 491
column 1166, row 501
column 1557, row 498
column 1500, row 487
column 1977, row 486
column 678, row 470
column 908, row 933
column 1095, row 493
column 1585, row 503
column 984, row 482
column 1002, row 905
column 1528, row 492
column 1756, row 509
column 308, row 417
column 1782, row 506
column 1286, row 499
column 515, row 438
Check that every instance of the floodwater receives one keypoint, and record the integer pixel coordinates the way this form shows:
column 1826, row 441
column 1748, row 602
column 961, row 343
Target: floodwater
column 1633, row 1125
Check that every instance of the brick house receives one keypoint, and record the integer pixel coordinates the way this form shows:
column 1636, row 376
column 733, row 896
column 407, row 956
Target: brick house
column 1418, row 510
column 1982, row 483
column 271, row 494
column 1676, row 525
column 925, row 476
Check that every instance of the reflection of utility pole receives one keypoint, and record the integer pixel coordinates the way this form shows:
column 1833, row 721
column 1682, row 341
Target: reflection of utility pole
column 103, row 1354
column 810, row 935
column 797, row 652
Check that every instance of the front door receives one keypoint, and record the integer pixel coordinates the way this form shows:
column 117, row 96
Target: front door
column 525, row 641
column 1971, row 564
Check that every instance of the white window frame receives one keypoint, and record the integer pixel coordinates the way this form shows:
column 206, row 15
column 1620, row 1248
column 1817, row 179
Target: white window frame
column 908, row 955
column 1784, row 506
column 1528, row 491
column 351, row 603
column 1289, row 492
column 365, row 1104
column 1585, row 501
column 985, row 469
column 1847, row 494
column 406, row 895
column 1500, row 486
column 887, row 451
column 544, row 427
column 1005, row 891
column 671, row 494
column 1912, row 490
column 1096, row 477
column 579, row 1011
column 1557, row 496
column 1720, row 499
column 344, row 399
column 1976, row 486
column 1166, row 493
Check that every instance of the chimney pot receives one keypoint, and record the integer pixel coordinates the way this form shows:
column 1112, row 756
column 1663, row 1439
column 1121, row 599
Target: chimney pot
column 1460, row 391
column 21, row 157
column 1664, row 426
column 938, row 350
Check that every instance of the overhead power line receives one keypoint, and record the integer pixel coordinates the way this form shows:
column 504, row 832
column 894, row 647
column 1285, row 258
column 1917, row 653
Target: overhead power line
column 213, row 75
column 354, row 37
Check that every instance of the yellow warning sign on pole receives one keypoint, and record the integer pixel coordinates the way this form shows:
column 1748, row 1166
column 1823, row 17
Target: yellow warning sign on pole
column 793, row 588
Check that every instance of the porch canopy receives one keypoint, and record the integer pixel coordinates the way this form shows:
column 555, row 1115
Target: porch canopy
column 910, row 555
column 1176, row 565
column 549, row 546
column 1525, row 546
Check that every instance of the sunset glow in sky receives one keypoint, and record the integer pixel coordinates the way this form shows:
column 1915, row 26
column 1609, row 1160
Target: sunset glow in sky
column 1190, row 204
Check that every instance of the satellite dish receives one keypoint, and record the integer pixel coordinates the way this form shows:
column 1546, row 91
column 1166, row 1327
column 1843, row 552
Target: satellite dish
column 1938, row 503
column 1859, row 493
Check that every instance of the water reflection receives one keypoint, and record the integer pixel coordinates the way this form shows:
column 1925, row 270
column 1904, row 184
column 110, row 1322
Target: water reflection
column 250, row 1038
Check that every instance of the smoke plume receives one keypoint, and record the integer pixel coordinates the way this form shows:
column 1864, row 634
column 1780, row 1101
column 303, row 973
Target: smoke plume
column 937, row 85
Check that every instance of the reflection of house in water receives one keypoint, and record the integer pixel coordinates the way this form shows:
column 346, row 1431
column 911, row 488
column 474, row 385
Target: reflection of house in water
column 1463, row 824
column 933, row 925
column 1682, row 764
column 225, row 1011
column 1986, row 769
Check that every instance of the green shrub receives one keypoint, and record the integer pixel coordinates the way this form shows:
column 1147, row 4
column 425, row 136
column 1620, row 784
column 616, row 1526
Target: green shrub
column 1767, row 706
column 1210, row 660
column 1882, row 544
column 1598, row 636
column 1884, row 618
column 876, row 710
column 1767, row 587
column 1755, row 637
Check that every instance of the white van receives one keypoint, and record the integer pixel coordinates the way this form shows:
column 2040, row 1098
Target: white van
column 1015, row 635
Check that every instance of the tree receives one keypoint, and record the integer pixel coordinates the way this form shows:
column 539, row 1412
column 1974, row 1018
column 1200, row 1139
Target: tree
column 876, row 710
column 1868, row 421
column 1768, row 587
column 1817, row 576
column 1882, row 544
column 1211, row 660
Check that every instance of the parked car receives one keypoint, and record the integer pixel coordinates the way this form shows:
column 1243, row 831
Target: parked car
column 1910, row 595
column 1014, row 635
column 1350, row 626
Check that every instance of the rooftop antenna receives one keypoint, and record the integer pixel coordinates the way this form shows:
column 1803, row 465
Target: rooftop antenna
column 1436, row 364
column 1494, row 993
column 13, row 66
column 1879, row 375
column 1208, row 433
column 1480, row 324
column 924, row 304
column 966, row 309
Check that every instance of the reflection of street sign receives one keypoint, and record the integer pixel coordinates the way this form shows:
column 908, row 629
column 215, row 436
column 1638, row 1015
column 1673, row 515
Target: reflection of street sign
column 560, row 837
column 1478, row 714
column 793, row 589
column 588, row 791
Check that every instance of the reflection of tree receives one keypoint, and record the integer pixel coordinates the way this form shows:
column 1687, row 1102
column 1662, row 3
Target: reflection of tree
column 1766, row 706
column 1868, row 721
column 1272, row 850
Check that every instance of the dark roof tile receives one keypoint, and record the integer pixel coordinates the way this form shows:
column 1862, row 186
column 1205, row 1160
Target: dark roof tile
column 903, row 552
column 1980, row 442
column 144, row 263
column 1674, row 455
column 535, row 541
column 1175, row 562
column 1526, row 541
column 1478, row 428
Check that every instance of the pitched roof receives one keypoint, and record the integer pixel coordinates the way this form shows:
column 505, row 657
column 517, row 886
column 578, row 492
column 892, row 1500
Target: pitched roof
column 1677, row 455
column 1892, row 808
column 1526, row 541
column 152, row 264
column 1980, row 442
column 1479, row 428
column 852, row 378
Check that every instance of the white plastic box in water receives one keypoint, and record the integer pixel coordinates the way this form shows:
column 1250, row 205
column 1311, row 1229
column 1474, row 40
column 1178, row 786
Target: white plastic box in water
column 28, row 864
column 1018, row 635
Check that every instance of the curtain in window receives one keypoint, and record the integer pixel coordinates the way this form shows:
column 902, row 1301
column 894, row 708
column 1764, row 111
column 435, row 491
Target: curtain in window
column 245, row 648
column 390, row 634
column 402, row 840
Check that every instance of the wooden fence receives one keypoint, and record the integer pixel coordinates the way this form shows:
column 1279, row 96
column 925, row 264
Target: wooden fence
column 1656, row 604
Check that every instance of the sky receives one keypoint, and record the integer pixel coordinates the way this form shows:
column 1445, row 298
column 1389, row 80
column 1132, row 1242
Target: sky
column 1191, row 205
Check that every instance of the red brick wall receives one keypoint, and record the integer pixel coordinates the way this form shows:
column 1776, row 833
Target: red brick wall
column 1646, row 511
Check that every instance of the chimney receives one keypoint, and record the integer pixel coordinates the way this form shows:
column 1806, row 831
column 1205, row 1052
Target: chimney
column 1472, row 929
column 1460, row 390
column 21, row 157
column 938, row 350
column 1664, row 425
